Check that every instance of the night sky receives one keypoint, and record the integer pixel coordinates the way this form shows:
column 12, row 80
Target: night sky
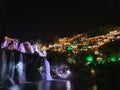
column 45, row 20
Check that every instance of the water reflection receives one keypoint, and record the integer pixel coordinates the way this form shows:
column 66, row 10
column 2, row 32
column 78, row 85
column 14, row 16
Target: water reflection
column 44, row 85
column 68, row 85
column 15, row 87
column 54, row 85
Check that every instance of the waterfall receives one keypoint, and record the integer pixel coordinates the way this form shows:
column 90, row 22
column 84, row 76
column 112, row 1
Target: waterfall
column 20, row 69
column 47, row 70
column 3, row 66
column 46, row 74
column 46, row 66
column 11, row 68
column 7, row 67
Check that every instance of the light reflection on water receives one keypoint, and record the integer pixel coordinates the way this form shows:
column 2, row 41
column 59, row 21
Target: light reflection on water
column 44, row 85
column 50, row 85
column 54, row 85
column 15, row 87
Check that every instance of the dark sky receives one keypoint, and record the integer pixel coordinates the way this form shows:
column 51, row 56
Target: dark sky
column 41, row 19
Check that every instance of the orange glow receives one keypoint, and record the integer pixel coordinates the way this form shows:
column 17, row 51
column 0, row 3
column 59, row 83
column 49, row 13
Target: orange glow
column 6, row 37
column 43, row 48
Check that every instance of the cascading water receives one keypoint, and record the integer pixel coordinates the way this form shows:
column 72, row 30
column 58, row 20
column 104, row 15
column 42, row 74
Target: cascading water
column 11, row 68
column 46, row 75
column 20, row 69
column 46, row 66
column 3, row 66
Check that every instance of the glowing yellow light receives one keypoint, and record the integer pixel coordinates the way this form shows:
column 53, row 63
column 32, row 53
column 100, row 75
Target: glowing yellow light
column 43, row 48
column 71, row 60
column 92, row 71
column 99, row 58
column 118, row 58
column 6, row 37
column 96, row 52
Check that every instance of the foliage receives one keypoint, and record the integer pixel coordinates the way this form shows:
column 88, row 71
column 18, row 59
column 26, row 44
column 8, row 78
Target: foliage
column 101, row 30
column 111, row 48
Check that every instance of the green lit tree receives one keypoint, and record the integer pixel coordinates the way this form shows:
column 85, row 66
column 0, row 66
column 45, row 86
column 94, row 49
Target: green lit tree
column 113, row 58
column 89, row 58
column 69, row 48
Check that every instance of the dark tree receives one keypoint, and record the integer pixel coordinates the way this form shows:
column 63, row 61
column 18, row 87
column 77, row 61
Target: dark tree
column 111, row 48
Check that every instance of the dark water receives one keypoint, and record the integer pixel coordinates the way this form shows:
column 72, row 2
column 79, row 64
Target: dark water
column 107, row 80
column 49, row 85
column 80, row 82
column 41, row 85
